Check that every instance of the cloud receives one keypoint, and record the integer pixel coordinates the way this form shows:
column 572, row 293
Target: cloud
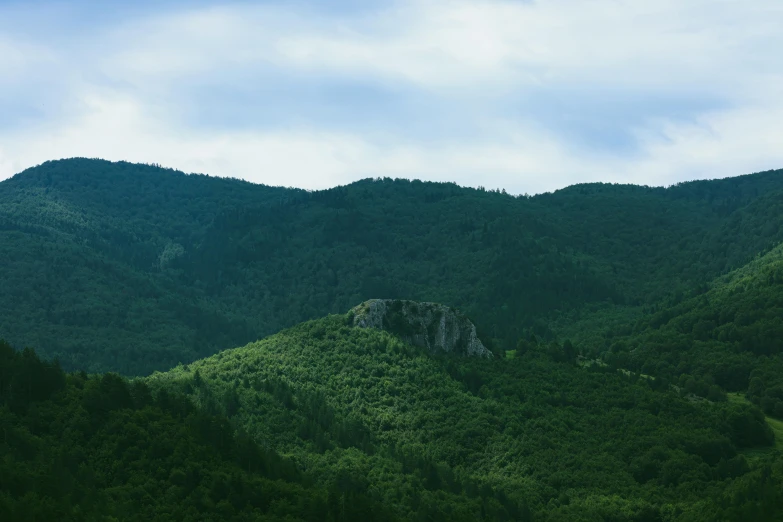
column 443, row 44
column 528, row 96
column 119, row 128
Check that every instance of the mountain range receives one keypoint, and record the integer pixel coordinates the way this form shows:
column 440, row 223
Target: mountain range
column 186, row 347
column 134, row 268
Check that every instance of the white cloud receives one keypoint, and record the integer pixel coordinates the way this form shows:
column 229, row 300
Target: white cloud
column 121, row 87
column 529, row 160
column 442, row 44
column 118, row 128
column 720, row 144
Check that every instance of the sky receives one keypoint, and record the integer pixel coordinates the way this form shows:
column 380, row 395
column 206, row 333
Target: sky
column 528, row 96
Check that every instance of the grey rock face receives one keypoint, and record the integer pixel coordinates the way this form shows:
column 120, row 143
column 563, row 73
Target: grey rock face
column 428, row 325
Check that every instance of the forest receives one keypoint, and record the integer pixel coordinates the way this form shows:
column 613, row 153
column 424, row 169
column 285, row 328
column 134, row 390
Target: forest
column 134, row 268
column 177, row 348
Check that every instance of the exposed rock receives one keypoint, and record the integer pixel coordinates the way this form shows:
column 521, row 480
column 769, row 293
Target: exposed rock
column 428, row 325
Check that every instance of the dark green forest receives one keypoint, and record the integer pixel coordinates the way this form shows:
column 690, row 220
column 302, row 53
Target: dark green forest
column 637, row 334
column 134, row 268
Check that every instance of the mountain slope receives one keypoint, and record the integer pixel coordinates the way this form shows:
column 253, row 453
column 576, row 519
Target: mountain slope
column 84, row 246
column 115, row 266
column 728, row 333
column 100, row 448
column 451, row 437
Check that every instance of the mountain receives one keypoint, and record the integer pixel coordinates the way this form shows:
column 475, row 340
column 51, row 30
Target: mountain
column 443, row 437
column 79, row 448
column 604, row 352
column 84, row 247
column 134, row 268
column 728, row 334
column 330, row 421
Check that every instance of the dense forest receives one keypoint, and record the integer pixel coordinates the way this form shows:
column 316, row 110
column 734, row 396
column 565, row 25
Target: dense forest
column 636, row 331
column 133, row 268
column 727, row 335
column 77, row 448
column 329, row 422
column 551, row 439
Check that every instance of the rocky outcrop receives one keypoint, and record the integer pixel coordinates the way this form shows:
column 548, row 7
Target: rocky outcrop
column 428, row 325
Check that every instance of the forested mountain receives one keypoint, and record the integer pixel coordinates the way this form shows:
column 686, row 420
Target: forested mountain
column 133, row 268
column 635, row 336
column 326, row 421
column 78, row 448
column 84, row 247
column 536, row 436
column 727, row 334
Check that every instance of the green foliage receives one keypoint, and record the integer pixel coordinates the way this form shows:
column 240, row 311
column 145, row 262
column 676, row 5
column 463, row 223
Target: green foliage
column 507, row 438
column 134, row 268
column 100, row 448
column 723, row 337
column 625, row 314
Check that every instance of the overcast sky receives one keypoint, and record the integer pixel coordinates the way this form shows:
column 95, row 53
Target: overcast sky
column 529, row 96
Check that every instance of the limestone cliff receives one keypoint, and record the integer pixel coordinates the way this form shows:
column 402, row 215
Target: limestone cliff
column 429, row 325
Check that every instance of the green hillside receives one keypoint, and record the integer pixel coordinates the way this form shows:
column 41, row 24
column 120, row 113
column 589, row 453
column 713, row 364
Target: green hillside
column 325, row 421
column 726, row 335
column 85, row 246
column 78, row 448
column 450, row 438
column 134, row 268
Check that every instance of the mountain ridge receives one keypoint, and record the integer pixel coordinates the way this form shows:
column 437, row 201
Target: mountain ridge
column 739, row 181
column 225, row 262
